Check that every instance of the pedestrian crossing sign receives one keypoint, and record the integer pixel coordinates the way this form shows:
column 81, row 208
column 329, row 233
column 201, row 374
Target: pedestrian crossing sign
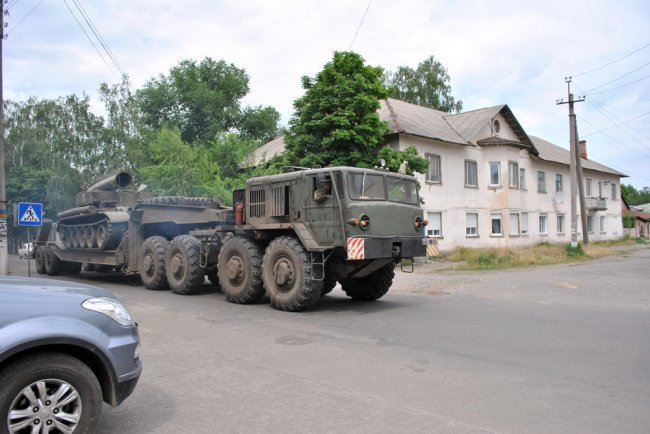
column 30, row 214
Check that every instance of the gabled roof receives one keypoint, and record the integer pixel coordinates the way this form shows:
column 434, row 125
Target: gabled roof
column 555, row 154
column 404, row 117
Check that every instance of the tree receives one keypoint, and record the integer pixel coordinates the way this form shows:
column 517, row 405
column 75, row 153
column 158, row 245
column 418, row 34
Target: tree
column 336, row 121
column 635, row 197
column 427, row 85
column 394, row 159
column 203, row 99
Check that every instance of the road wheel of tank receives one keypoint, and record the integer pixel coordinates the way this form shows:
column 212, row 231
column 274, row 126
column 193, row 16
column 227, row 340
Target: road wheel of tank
column 53, row 264
column 152, row 263
column 328, row 284
column 371, row 287
column 102, row 235
column 240, row 270
column 40, row 260
column 183, row 265
column 287, row 275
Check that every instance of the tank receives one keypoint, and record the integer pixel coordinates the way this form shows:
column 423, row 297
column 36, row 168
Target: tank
column 100, row 220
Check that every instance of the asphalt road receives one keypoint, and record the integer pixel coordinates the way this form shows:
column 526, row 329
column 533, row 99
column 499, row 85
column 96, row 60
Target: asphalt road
column 561, row 349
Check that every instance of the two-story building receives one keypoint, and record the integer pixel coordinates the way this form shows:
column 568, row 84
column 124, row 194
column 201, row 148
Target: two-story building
column 489, row 184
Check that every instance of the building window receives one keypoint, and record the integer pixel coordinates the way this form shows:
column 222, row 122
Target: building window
column 471, row 227
column 434, row 228
column 558, row 182
column 590, row 224
column 514, row 224
column 433, row 173
column 613, row 191
column 496, row 224
column 600, row 188
column 588, row 187
column 543, row 224
column 524, row 223
column 541, row 182
column 560, row 224
column 471, row 178
column 495, row 174
column 522, row 179
column 513, row 174
column 602, row 224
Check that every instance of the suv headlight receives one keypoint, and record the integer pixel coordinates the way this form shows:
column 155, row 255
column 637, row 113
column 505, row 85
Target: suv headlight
column 110, row 307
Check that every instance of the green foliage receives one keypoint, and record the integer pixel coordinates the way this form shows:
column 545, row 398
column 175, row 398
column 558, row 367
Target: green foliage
column 628, row 221
column 635, row 197
column 427, row 85
column 394, row 159
column 336, row 121
column 202, row 100
column 575, row 252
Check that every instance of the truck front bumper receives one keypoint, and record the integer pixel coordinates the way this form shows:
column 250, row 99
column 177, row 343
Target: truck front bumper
column 359, row 248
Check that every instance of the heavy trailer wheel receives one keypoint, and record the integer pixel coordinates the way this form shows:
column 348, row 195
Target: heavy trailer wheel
column 371, row 287
column 40, row 260
column 287, row 273
column 152, row 263
column 183, row 265
column 53, row 265
column 240, row 270
column 71, row 267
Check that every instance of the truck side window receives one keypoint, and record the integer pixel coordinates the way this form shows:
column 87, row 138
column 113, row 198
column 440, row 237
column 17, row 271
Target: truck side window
column 322, row 187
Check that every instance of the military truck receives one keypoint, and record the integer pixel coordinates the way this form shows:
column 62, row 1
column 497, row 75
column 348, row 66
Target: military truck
column 291, row 237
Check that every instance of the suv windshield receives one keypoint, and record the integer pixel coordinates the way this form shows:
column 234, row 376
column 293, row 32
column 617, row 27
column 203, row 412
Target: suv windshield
column 365, row 186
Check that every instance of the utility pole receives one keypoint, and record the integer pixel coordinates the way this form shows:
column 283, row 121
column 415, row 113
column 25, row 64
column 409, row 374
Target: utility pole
column 575, row 158
column 4, row 253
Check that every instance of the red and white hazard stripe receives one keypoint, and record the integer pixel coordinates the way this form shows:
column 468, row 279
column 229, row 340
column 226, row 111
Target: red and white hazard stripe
column 356, row 249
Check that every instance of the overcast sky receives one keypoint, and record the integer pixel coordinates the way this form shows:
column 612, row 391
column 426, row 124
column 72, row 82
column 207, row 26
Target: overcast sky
column 497, row 52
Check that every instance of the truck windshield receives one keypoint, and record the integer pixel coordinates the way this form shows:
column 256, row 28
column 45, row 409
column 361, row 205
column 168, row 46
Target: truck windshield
column 366, row 186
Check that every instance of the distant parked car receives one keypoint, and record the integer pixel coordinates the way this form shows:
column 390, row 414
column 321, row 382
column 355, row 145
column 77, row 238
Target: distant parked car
column 64, row 348
column 25, row 250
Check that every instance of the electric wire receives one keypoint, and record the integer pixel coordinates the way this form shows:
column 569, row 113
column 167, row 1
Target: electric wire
column 616, row 79
column 619, row 87
column 25, row 17
column 612, row 62
column 90, row 40
column 360, row 24
column 617, row 125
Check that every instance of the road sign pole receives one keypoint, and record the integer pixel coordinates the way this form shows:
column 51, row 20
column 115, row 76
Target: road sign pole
column 29, row 255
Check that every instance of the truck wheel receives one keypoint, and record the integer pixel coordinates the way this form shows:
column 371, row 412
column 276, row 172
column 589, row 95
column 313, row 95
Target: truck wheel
column 371, row 287
column 51, row 391
column 152, row 263
column 183, row 265
column 40, row 260
column 53, row 264
column 287, row 273
column 240, row 270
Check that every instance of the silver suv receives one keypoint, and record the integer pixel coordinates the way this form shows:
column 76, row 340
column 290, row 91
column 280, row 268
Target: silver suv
column 64, row 348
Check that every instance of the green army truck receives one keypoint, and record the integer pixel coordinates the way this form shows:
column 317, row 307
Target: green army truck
column 291, row 237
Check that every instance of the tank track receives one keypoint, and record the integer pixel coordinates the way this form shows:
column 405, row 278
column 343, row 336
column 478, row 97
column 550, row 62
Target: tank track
column 99, row 235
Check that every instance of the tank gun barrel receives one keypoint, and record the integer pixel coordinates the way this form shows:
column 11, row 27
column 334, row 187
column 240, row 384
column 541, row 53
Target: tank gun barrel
column 112, row 183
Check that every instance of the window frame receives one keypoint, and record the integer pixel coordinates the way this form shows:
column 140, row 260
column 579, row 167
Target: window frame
column 522, row 179
column 561, row 224
column 431, row 221
column 541, row 181
column 434, row 158
column 498, row 214
column 601, row 223
column 513, row 174
column 588, row 187
column 543, row 229
column 523, row 221
column 468, row 164
column 467, row 227
column 498, row 173
column 559, row 183
column 510, row 225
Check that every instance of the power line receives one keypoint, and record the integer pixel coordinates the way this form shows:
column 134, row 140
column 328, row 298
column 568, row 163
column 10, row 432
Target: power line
column 621, row 86
column 616, row 79
column 617, row 141
column 617, row 125
column 612, row 62
column 25, row 17
column 360, row 24
column 89, row 39
column 92, row 27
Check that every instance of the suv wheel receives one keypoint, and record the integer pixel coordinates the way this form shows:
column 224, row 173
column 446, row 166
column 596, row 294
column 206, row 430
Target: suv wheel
column 49, row 392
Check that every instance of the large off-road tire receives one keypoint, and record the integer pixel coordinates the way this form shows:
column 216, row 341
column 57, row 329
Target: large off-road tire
column 53, row 265
column 46, row 391
column 240, row 270
column 152, row 263
column 371, row 287
column 183, row 265
column 287, row 275
column 40, row 259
